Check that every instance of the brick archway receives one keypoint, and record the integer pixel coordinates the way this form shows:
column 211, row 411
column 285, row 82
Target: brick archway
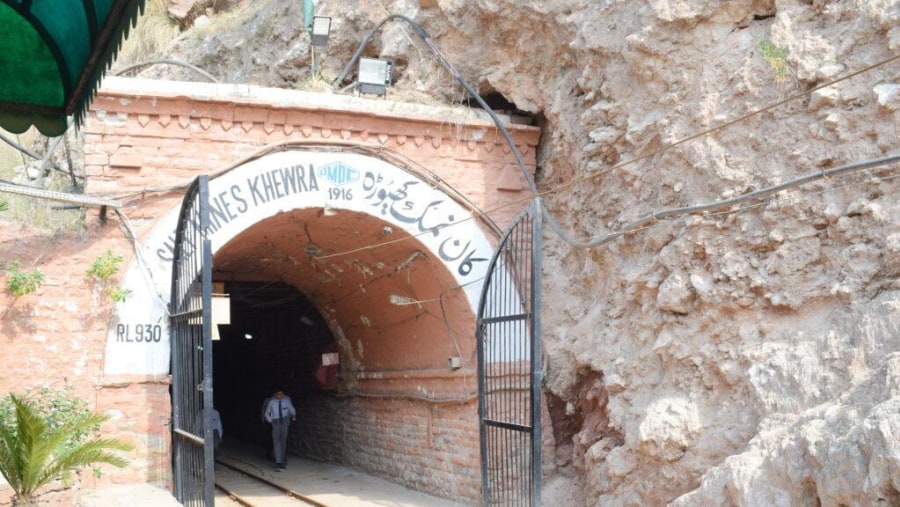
column 373, row 210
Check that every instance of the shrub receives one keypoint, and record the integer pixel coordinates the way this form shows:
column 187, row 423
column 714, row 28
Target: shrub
column 47, row 437
column 105, row 266
column 19, row 283
column 776, row 57
column 102, row 269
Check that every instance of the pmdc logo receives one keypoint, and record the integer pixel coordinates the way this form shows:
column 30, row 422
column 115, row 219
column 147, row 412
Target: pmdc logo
column 338, row 173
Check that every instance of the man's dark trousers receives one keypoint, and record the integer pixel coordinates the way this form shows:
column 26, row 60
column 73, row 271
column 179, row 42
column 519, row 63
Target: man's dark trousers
column 279, row 439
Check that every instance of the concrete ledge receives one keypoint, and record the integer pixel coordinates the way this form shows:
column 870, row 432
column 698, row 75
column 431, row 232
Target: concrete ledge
column 132, row 495
column 263, row 97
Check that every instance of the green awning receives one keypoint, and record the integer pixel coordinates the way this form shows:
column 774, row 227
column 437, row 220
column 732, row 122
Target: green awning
column 53, row 54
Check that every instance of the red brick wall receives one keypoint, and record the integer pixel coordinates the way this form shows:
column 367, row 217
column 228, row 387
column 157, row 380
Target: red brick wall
column 142, row 139
column 56, row 337
column 424, row 446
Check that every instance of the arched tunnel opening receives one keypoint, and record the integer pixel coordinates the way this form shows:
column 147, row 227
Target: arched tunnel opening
column 402, row 401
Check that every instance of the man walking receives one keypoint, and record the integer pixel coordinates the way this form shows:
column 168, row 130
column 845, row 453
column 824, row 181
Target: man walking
column 279, row 413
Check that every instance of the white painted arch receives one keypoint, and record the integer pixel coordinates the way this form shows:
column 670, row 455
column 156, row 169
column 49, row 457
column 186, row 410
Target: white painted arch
column 138, row 337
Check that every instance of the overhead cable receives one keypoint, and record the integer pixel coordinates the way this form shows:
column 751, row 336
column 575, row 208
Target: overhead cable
column 719, row 127
column 446, row 63
column 44, row 159
column 179, row 63
column 688, row 210
column 537, row 195
column 657, row 215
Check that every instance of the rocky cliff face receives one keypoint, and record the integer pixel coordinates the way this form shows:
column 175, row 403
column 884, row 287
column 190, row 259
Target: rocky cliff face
column 745, row 355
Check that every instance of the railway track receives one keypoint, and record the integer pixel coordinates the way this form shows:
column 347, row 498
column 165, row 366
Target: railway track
column 249, row 489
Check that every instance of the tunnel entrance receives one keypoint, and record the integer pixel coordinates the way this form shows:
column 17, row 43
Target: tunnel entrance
column 348, row 257
column 302, row 283
column 401, row 402
column 276, row 337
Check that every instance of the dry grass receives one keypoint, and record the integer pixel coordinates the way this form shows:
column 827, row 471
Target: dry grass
column 153, row 33
column 315, row 83
column 29, row 210
column 227, row 21
column 44, row 214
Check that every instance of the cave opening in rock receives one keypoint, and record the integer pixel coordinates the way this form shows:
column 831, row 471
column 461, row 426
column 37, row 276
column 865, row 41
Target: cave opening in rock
column 501, row 105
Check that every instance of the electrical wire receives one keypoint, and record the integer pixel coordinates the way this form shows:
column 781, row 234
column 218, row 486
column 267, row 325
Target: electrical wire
column 19, row 147
column 462, row 81
column 178, row 63
column 560, row 188
column 687, row 210
column 631, row 227
column 722, row 126
column 657, row 215
column 408, row 396
column 444, row 312
column 377, row 151
column 764, row 202
column 143, row 266
column 405, row 265
column 35, row 156
column 374, row 150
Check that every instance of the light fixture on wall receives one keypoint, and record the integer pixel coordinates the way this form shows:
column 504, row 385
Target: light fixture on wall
column 321, row 29
column 374, row 75
column 221, row 308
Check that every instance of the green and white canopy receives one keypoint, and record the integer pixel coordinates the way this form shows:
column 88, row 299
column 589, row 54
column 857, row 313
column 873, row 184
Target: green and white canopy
column 53, row 55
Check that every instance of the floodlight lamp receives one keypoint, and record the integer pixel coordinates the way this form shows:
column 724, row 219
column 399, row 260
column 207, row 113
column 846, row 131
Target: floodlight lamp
column 321, row 28
column 374, row 75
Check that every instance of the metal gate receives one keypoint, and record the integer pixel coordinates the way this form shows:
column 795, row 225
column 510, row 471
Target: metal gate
column 509, row 367
column 190, row 338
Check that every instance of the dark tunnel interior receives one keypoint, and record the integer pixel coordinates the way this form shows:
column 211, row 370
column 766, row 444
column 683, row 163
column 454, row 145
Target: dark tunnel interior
column 276, row 338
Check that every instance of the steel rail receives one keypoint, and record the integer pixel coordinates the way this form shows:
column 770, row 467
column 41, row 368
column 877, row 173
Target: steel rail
column 234, row 496
column 287, row 491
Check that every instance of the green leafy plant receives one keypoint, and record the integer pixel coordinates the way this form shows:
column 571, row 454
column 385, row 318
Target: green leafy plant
column 118, row 294
column 102, row 269
column 4, row 206
column 105, row 266
column 48, row 439
column 776, row 57
column 20, row 283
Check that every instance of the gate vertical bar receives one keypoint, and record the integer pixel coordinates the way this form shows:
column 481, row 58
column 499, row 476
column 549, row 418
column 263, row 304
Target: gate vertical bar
column 206, row 280
column 191, row 342
column 510, row 367
column 537, row 350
